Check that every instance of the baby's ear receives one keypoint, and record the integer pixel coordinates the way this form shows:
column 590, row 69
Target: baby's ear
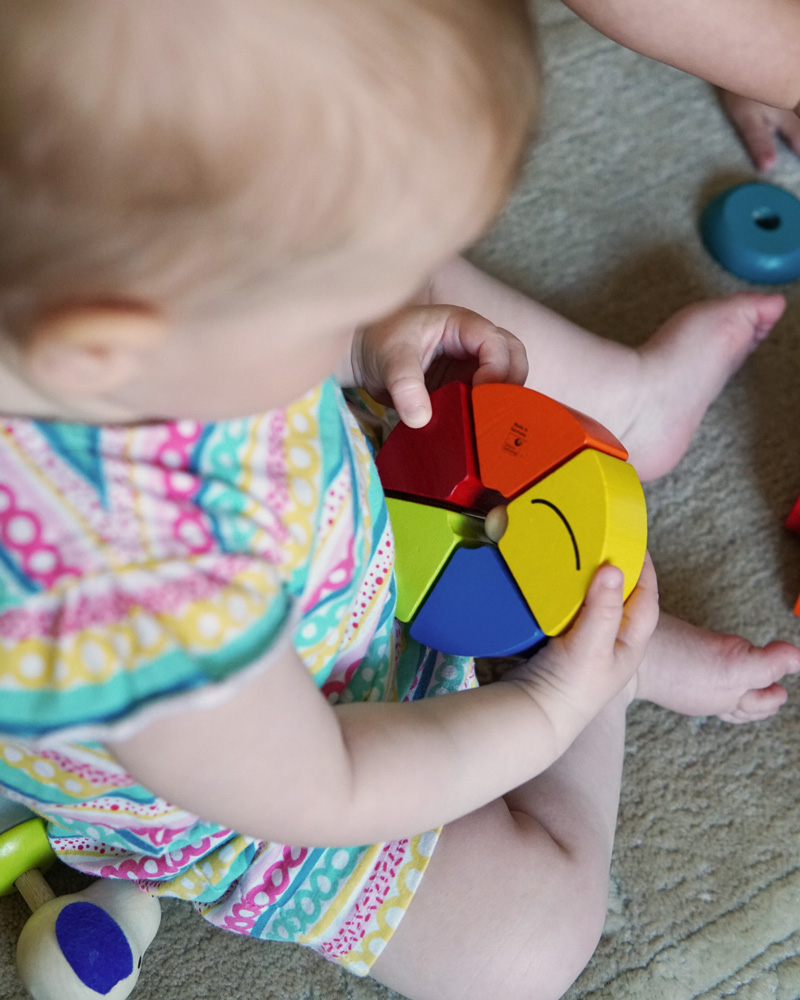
column 90, row 349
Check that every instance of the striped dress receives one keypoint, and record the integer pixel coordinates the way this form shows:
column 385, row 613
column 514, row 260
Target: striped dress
column 150, row 568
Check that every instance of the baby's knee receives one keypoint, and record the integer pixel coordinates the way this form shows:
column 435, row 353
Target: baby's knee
column 517, row 917
column 555, row 960
column 540, row 959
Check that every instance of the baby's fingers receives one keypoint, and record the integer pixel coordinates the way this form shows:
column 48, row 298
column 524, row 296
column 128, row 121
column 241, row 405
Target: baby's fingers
column 593, row 634
column 750, row 119
column 500, row 355
column 406, row 386
column 610, row 631
column 789, row 131
column 758, row 124
column 640, row 617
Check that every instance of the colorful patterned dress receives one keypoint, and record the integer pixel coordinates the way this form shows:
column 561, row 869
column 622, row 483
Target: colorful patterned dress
column 154, row 567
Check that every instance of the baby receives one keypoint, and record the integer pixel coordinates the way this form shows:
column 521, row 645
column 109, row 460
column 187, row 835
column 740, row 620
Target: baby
column 204, row 688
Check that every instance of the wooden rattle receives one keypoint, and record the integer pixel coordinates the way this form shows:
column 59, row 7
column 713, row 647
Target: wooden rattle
column 83, row 946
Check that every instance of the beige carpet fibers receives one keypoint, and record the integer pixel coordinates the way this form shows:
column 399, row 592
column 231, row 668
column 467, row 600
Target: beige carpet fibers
column 705, row 887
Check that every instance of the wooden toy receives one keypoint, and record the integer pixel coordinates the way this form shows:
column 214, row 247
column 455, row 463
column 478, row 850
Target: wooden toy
column 425, row 538
column 513, row 447
column 498, row 582
column 493, row 617
column 418, row 465
column 753, row 231
column 83, row 946
column 588, row 512
column 793, row 520
column 793, row 524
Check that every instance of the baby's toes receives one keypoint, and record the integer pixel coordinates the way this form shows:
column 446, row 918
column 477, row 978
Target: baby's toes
column 783, row 658
column 760, row 703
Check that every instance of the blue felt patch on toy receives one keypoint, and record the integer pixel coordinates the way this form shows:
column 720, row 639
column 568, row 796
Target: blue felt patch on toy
column 94, row 945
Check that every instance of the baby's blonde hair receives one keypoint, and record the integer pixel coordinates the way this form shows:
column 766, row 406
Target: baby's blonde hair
column 136, row 134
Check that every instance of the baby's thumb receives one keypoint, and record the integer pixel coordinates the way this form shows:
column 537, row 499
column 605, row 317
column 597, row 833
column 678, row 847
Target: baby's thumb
column 410, row 399
column 595, row 630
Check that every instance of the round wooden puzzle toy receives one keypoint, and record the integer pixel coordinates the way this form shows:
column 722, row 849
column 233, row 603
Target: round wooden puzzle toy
column 503, row 507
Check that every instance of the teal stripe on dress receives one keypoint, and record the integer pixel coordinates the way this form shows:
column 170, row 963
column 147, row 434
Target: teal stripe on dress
column 49, row 796
column 79, row 446
column 217, row 458
column 34, row 713
column 297, row 881
column 301, row 909
column 15, row 585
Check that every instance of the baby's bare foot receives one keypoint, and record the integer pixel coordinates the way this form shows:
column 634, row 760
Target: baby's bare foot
column 682, row 369
column 696, row 672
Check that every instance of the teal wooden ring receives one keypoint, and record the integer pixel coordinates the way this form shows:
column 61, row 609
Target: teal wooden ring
column 753, row 231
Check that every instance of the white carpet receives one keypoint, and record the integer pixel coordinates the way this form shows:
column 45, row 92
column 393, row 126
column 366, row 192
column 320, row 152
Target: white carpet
column 705, row 894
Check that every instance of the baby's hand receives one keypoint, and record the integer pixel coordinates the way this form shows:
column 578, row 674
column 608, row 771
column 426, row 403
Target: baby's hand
column 420, row 347
column 580, row 671
column 758, row 125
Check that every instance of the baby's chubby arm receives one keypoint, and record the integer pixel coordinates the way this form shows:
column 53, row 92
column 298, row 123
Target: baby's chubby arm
column 750, row 47
column 279, row 762
column 419, row 347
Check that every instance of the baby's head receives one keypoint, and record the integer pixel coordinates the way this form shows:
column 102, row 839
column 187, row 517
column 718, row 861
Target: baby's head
column 191, row 192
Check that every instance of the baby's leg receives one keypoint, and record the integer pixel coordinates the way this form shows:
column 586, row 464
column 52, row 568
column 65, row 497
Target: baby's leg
column 696, row 672
column 514, row 899
column 515, row 896
column 652, row 397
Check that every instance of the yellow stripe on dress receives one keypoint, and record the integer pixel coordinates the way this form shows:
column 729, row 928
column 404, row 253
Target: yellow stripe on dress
column 389, row 913
column 98, row 653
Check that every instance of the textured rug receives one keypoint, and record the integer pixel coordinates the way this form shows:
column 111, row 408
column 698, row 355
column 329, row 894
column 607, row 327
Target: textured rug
column 705, row 889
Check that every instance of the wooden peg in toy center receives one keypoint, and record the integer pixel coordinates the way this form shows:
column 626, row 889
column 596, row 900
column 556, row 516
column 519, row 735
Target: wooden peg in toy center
column 81, row 946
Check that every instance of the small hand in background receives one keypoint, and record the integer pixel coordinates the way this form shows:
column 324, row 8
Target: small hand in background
column 759, row 125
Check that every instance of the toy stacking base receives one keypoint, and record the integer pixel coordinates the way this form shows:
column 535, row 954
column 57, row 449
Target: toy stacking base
column 753, row 231
column 502, row 508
